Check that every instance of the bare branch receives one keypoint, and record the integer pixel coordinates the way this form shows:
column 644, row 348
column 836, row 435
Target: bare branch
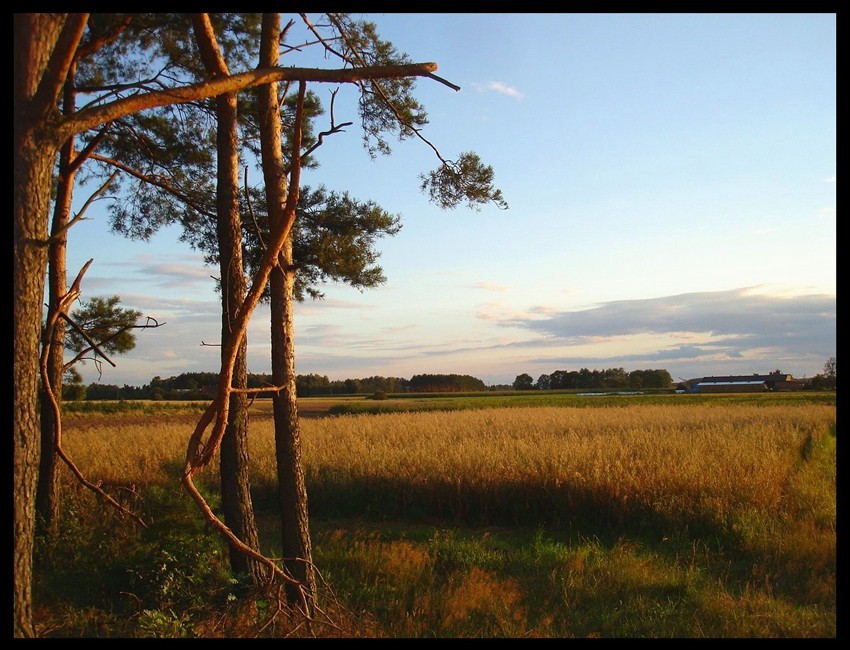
column 445, row 82
column 335, row 128
column 285, row 31
column 63, row 304
column 59, row 235
column 251, row 212
column 94, row 345
column 80, row 356
column 380, row 91
column 321, row 39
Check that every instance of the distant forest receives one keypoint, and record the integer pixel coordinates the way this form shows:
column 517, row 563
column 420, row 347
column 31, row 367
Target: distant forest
column 201, row 385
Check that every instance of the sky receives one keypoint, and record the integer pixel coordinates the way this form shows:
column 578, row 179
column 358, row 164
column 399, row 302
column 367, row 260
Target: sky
column 671, row 188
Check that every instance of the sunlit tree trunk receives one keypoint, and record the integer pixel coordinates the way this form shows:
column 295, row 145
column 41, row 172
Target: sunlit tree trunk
column 233, row 468
column 235, row 484
column 295, row 534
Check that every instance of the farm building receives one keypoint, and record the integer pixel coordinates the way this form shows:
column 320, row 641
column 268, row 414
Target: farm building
column 745, row 383
column 743, row 386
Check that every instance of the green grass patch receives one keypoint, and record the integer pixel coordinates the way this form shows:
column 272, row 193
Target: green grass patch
column 132, row 407
column 398, row 403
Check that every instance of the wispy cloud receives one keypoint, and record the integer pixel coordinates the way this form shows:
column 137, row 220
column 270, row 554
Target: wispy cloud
column 489, row 286
column 829, row 179
column 499, row 87
column 731, row 323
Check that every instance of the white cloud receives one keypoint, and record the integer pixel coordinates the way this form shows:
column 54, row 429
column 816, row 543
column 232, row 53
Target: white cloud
column 499, row 87
column 829, row 179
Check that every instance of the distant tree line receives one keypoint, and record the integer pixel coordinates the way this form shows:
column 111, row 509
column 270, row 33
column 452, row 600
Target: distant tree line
column 201, row 385
column 828, row 379
column 584, row 379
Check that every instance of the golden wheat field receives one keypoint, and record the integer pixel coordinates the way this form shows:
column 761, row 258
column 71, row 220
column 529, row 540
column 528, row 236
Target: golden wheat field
column 694, row 519
column 704, row 458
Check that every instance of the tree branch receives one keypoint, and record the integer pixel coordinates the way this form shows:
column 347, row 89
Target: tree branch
column 251, row 212
column 99, row 40
column 334, row 129
column 81, row 355
column 61, row 59
column 383, row 95
column 59, row 235
column 84, row 155
column 91, row 117
column 94, row 345
column 158, row 182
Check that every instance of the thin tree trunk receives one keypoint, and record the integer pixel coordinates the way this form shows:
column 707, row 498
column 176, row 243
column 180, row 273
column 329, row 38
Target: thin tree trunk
column 235, row 484
column 295, row 532
column 292, row 490
column 47, row 494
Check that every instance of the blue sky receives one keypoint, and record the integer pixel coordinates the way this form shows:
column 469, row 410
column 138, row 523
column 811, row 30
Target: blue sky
column 671, row 183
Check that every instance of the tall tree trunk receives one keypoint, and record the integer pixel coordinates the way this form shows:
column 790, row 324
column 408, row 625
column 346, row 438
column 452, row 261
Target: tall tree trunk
column 34, row 146
column 235, row 484
column 295, row 531
column 47, row 494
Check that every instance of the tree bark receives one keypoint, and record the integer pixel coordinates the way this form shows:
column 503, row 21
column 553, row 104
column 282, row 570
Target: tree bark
column 295, row 532
column 292, row 489
column 34, row 149
column 32, row 168
column 235, row 484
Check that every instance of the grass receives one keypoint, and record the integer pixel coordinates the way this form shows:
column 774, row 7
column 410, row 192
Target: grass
column 681, row 518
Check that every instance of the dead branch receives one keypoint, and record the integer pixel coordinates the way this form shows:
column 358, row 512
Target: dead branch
column 335, row 128
column 251, row 211
column 82, row 354
column 378, row 89
column 53, row 316
column 94, row 345
column 59, row 235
